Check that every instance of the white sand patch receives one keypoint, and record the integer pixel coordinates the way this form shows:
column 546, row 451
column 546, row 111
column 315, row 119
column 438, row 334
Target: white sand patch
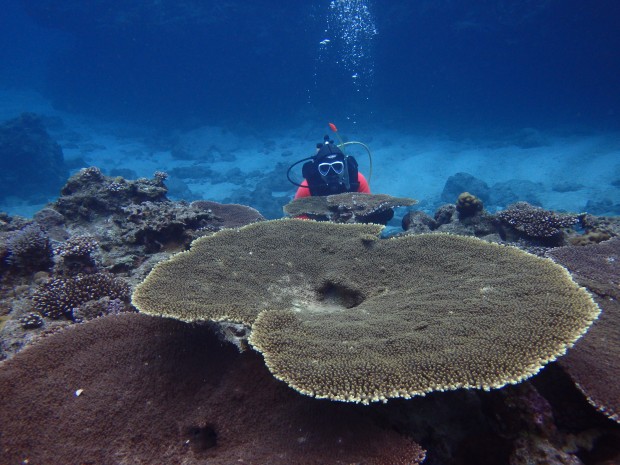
column 571, row 169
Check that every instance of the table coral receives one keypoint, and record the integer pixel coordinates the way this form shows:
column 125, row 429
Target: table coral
column 348, row 207
column 340, row 314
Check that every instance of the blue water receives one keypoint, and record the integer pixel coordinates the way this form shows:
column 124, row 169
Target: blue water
column 467, row 69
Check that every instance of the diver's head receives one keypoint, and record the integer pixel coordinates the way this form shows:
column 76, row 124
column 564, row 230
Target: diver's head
column 330, row 162
column 331, row 166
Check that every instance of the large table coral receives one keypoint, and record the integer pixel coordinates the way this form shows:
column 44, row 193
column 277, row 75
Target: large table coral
column 340, row 314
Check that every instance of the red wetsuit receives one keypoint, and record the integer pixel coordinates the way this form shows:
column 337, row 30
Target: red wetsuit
column 304, row 191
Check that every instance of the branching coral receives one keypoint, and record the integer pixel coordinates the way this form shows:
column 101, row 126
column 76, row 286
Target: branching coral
column 60, row 296
column 30, row 249
column 534, row 221
column 75, row 255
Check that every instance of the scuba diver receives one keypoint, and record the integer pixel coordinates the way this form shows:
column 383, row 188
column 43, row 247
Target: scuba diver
column 330, row 171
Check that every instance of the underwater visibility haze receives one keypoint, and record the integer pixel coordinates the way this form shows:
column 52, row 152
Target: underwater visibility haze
column 435, row 88
column 131, row 130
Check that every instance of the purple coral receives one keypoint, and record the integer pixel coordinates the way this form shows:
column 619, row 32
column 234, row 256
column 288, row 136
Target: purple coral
column 60, row 296
column 75, row 255
column 31, row 320
column 115, row 306
column 160, row 176
column 30, row 249
column 536, row 222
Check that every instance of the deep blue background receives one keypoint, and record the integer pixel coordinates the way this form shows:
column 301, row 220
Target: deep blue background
column 438, row 64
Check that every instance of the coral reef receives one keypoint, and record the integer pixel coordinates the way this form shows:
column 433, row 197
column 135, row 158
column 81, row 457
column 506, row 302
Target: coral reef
column 524, row 220
column 447, row 220
column 162, row 225
column 411, row 315
column 594, row 362
column 68, row 246
column 588, row 238
column 609, row 225
column 75, row 255
column 29, row 249
column 348, row 207
column 531, row 228
column 31, row 163
column 468, row 205
column 188, row 398
column 60, row 297
column 89, row 193
column 135, row 389
column 137, row 214
column 444, row 214
column 418, row 222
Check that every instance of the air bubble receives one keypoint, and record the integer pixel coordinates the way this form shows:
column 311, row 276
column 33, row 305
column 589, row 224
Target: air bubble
column 351, row 29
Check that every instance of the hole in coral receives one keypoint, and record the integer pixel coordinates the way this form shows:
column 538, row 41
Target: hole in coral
column 334, row 295
column 200, row 438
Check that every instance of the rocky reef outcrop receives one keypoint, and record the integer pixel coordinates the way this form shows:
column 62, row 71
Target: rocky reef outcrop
column 31, row 162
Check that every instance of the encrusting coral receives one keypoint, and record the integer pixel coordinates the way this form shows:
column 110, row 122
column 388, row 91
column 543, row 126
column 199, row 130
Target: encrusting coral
column 139, row 390
column 340, row 314
column 594, row 362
